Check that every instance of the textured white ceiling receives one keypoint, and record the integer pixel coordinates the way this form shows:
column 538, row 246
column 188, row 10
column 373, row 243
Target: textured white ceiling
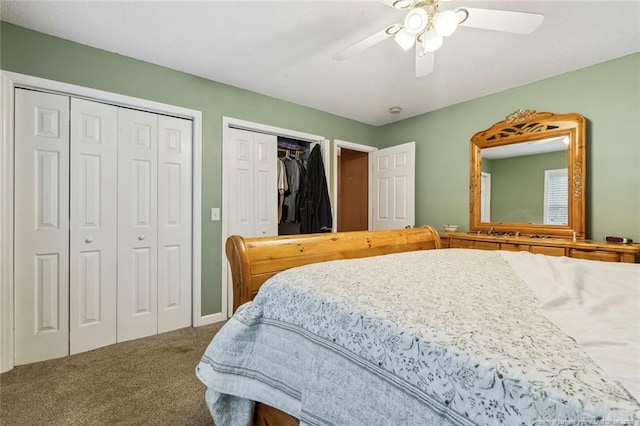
column 283, row 48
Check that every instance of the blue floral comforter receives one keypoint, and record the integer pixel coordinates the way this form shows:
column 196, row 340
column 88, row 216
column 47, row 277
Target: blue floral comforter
column 456, row 332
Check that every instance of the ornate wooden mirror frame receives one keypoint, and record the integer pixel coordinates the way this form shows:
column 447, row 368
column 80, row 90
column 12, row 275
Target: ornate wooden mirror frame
column 527, row 126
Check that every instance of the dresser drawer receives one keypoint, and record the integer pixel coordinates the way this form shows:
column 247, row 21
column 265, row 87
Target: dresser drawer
column 514, row 247
column 461, row 243
column 605, row 256
column 550, row 251
column 484, row 245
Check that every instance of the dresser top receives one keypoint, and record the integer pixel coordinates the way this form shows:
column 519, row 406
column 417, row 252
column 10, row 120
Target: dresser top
column 546, row 241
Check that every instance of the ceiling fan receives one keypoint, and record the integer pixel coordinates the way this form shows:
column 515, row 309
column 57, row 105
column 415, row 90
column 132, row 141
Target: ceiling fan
column 425, row 25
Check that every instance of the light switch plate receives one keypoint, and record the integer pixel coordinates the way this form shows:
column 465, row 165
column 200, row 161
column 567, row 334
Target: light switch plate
column 215, row 214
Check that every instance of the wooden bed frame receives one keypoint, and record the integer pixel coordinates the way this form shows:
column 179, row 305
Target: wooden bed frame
column 254, row 260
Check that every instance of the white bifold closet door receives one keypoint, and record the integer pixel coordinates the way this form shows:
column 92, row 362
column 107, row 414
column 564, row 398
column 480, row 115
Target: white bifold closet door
column 154, row 224
column 41, row 226
column 253, row 192
column 174, row 223
column 251, row 185
column 137, row 224
column 94, row 200
column 102, row 225
column 65, row 220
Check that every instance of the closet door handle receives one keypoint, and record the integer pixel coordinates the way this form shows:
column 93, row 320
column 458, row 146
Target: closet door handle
column 141, row 237
column 88, row 240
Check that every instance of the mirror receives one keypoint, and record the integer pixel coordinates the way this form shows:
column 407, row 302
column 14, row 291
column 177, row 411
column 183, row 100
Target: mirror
column 527, row 176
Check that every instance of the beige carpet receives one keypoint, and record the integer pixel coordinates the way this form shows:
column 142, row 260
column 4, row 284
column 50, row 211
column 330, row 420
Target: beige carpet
column 148, row 381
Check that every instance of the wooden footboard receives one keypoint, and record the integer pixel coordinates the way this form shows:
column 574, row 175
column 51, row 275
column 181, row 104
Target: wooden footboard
column 254, row 260
column 265, row 415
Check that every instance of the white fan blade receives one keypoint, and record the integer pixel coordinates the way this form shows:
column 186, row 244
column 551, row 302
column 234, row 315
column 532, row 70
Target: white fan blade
column 500, row 20
column 386, row 2
column 364, row 44
column 403, row 4
column 397, row 4
column 424, row 63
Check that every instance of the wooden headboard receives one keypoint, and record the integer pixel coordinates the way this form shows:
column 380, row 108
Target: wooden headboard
column 254, row 260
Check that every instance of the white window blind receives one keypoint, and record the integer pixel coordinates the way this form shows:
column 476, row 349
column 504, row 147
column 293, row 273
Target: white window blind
column 556, row 197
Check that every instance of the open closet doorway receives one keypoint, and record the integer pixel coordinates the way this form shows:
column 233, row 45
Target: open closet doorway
column 250, row 187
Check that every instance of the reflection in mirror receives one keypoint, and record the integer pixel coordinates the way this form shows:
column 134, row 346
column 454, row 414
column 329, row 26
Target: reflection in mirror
column 526, row 182
column 527, row 176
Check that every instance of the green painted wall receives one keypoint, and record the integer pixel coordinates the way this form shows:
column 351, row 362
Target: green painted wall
column 607, row 94
column 517, row 186
column 32, row 53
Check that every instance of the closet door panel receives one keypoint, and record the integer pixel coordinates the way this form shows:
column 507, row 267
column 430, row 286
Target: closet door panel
column 93, row 278
column 174, row 223
column 265, row 183
column 240, row 159
column 41, row 226
column 251, row 187
column 137, row 224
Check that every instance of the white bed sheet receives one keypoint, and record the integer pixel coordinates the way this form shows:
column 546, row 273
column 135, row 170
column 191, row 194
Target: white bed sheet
column 596, row 303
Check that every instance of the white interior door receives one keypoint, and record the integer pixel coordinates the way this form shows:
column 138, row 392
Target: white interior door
column 94, row 200
column 240, row 181
column 174, row 223
column 265, row 184
column 251, row 160
column 252, row 187
column 393, row 193
column 137, row 224
column 41, row 203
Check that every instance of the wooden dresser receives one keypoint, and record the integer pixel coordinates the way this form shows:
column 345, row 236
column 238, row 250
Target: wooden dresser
column 581, row 249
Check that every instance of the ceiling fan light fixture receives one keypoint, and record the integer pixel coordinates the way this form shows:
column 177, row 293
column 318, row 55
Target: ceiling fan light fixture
column 431, row 41
column 445, row 23
column 404, row 39
column 416, row 20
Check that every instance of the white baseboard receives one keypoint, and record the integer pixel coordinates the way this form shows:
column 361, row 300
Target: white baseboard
column 210, row 319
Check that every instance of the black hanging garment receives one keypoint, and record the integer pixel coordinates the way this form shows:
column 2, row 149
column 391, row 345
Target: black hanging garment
column 315, row 207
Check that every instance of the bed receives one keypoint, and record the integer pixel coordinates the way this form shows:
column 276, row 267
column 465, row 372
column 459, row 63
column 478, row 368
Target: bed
column 381, row 327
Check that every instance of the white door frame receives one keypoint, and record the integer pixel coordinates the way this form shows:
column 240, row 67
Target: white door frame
column 337, row 144
column 10, row 81
column 229, row 122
